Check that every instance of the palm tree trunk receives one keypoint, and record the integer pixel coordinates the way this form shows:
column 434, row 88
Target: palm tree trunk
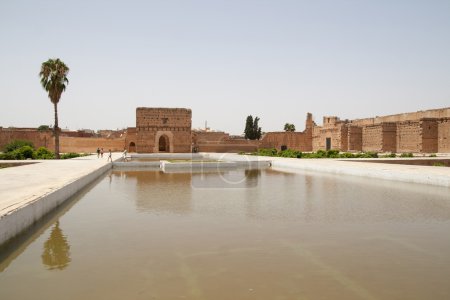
column 56, row 131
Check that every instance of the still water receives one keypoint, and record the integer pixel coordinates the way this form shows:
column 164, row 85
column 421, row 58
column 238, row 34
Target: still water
column 237, row 235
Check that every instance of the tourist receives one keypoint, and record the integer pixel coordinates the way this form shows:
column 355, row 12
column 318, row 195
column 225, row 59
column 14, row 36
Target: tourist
column 110, row 155
column 98, row 152
column 125, row 155
column 101, row 153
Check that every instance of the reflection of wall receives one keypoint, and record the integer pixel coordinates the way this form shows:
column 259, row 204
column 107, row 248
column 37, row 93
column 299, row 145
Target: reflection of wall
column 162, row 192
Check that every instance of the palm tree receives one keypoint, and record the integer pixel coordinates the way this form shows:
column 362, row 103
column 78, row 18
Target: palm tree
column 54, row 79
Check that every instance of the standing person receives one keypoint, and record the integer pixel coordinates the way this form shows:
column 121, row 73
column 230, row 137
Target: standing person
column 125, row 154
column 98, row 152
column 101, row 153
column 110, row 155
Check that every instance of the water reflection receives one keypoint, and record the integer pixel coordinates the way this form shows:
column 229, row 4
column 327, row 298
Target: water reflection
column 56, row 253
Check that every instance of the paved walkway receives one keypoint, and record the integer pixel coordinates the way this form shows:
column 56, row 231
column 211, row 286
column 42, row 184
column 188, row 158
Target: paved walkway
column 22, row 185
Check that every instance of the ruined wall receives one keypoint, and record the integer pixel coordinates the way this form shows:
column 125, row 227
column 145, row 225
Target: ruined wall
column 39, row 139
column 66, row 143
column 320, row 135
column 413, row 116
column 131, row 139
column 429, row 133
column 389, row 143
column 231, row 145
column 354, row 138
column 409, row 136
column 89, row 145
column 372, row 138
column 209, row 136
column 443, row 135
column 171, row 124
column 300, row 141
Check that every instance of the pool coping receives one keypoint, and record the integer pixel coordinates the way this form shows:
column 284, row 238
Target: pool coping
column 429, row 175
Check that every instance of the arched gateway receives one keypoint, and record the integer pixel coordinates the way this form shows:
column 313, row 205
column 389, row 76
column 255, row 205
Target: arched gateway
column 164, row 144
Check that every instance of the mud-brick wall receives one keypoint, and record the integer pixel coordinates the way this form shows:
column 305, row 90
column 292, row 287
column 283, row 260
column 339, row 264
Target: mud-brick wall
column 131, row 139
column 320, row 135
column 372, row 138
column 344, row 139
column 39, row 139
column 389, row 135
column 409, row 136
column 429, row 128
column 231, row 145
column 299, row 141
column 444, row 135
column 90, row 145
column 145, row 140
column 175, row 123
column 354, row 138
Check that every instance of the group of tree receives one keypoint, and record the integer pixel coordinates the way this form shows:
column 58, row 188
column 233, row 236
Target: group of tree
column 288, row 127
column 252, row 130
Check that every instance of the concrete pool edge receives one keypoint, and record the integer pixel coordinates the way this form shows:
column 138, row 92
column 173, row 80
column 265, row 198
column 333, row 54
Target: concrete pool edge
column 429, row 175
column 37, row 203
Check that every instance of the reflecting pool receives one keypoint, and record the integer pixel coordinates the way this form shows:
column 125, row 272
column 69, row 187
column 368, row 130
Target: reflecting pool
column 240, row 234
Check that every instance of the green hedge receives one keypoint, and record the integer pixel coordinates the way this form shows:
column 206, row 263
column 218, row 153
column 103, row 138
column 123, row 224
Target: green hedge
column 319, row 154
column 19, row 150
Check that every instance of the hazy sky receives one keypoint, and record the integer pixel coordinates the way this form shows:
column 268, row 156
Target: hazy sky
column 224, row 60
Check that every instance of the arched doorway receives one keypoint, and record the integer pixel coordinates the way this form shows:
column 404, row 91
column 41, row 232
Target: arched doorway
column 163, row 144
column 132, row 147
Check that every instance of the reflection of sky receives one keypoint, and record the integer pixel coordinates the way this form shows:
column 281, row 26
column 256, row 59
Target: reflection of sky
column 157, row 235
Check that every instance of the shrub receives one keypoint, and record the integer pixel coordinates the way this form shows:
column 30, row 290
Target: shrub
column 8, row 156
column 44, row 153
column 70, row 155
column 16, row 144
column 347, row 155
column 25, row 152
column 433, row 155
column 266, row 152
column 438, row 164
column 332, row 153
column 392, row 155
column 320, row 154
column 290, row 153
column 409, row 154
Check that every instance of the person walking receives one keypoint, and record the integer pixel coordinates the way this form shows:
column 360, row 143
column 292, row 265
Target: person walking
column 110, row 155
column 101, row 153
column 98, row 152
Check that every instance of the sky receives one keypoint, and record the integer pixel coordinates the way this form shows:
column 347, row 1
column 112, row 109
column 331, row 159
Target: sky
column 225, row 60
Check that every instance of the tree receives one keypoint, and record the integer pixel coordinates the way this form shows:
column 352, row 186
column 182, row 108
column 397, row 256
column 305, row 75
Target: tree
column 54, row 79
column 43, row 128
column 252, row 130
column 289, row 127
column 248, row 127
